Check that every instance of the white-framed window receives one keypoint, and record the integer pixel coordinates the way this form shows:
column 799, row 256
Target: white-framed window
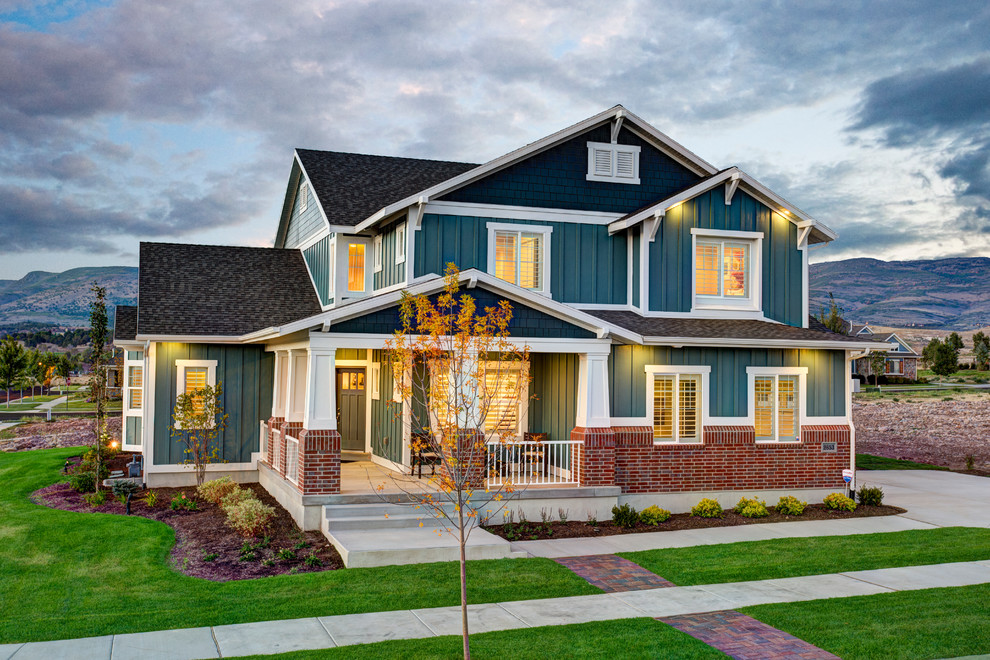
column 520, row 255
column 616, row 163
column 378, row 253
column 135, row 386
column 303, row 196
column 333, row 267
column 777, row 402
column 503, row 397
column 676, row 399
column 400, row 244
column 375, row 376
column 726, row 269
column 192, row 375
column 895, row 366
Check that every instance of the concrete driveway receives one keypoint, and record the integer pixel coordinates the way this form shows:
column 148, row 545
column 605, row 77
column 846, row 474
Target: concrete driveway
column 945, row 499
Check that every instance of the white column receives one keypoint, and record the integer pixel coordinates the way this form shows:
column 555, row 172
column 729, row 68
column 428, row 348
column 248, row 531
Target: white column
column 295, row 394
column 592, row 404
column 321, row 390
column 279, row 383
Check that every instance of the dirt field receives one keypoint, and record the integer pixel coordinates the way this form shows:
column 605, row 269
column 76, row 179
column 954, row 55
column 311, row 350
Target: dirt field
column 926, row 430
column 60, row 433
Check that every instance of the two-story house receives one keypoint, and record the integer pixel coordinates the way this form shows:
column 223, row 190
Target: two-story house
column 664, row 303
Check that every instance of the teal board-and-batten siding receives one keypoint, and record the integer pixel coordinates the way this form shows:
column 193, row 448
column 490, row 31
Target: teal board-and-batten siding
column 672, row 259
column 303, row 224
column 728, row 383
column 246, row 373
column 391, row 272
column 317, row 258
column 553, row 394
column 587, row 265
column 386, row 415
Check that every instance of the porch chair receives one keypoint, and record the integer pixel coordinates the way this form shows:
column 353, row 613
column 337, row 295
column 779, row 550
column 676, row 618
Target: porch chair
column 420, row 453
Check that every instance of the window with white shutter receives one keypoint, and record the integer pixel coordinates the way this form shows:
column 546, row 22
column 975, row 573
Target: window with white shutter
column 520, row 254
column 617, row 163
column 674, row 401
column 726, row 269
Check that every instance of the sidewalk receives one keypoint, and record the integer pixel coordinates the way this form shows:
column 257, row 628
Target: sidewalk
column 271, row 637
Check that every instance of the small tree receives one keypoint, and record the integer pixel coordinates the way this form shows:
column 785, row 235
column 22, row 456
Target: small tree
column 13, row 363
column 99, row 333
column 63, row 368
column 878, row 363
column 462, row 378
column 945, row 358
column 928, row 353
column 198, row 420
column 955, row 342
column 831, row 316
column 981, row 350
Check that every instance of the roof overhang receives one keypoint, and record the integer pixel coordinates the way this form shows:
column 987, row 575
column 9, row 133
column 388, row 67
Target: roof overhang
column 631, row 121
column 764, row 343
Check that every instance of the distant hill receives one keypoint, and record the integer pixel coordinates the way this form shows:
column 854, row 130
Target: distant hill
column 62, row 299
column 949, row 294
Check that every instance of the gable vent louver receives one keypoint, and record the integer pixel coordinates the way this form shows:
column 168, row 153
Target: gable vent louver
column 603, row 162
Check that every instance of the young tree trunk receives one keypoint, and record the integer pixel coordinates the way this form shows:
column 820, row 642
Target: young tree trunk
column 463, row 542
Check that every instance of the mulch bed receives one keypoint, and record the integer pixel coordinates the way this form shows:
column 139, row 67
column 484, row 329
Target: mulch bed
column 205, row 531
column 537, row 530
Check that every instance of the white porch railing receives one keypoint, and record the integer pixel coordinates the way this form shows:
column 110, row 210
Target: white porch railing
column 263, row 440
column 292, row 459
column 277, row 454
column 534, row 463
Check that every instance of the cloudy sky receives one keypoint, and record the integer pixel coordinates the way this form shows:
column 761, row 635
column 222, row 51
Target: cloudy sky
column 135, row 120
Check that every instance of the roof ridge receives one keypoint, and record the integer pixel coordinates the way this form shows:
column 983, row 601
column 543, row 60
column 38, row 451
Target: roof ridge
column 366, row 155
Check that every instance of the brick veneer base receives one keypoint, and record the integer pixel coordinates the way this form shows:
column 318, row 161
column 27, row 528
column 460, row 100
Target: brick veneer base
column 471, row 445
column 729, row 458
column 319, row 462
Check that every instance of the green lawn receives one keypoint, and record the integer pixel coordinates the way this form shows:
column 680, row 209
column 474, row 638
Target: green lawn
column 78, row 574
column 871, row 462
column 964, row 376
column 913, row 625
column 626, row 638
column 764, row 560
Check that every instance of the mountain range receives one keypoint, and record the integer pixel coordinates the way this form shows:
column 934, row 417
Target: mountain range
column 949, row 294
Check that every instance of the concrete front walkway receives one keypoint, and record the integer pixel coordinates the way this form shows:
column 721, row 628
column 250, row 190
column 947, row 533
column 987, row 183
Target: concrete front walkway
column 271, row 637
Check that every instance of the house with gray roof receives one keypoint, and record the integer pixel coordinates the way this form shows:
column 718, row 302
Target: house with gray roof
column 901, row 361
column 663, row 302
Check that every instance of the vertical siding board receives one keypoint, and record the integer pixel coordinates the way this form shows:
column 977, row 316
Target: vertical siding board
column 303, row 225
column 635, row 266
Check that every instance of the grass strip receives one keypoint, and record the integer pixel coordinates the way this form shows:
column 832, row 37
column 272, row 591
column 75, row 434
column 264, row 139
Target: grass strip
column 626, row 638
column 71, row 575
column 778, row 558
column 871, row 462
column 909, row 625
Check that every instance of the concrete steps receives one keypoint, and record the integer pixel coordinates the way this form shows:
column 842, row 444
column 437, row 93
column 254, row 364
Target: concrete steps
column 383, row 534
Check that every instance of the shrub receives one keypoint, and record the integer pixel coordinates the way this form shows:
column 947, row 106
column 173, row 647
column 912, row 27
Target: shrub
column 96, row 499
column 286, row 554
column 250, row 517
column 151, row 499
column 88, row 463
column 214, row 491
column 752, row 508
column 839, row 502
column 870, row 496
column 654, row 515
column 312, row 560
column 236, row 496
column 181, row 502
column 210, row 556
column 625, row 516
column 790, row 506
column 122, row 489
column 707, row 508
column 82, row 482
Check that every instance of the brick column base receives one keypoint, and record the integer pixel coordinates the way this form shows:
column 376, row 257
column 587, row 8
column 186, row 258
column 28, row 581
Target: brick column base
column 470, row 456
column 596, row 456
column 319, row 462
column 274, row 424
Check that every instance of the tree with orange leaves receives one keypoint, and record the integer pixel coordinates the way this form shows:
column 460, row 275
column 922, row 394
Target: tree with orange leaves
column 464, row 380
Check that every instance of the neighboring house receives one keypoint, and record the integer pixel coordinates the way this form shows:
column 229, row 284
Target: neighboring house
column 901, row 360
column 664, row 303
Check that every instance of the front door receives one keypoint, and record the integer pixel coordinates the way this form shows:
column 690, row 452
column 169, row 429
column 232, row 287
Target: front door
column 351, row 410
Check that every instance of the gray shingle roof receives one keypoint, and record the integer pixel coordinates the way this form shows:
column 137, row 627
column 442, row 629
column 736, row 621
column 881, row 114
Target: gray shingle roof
column 352, row 187
column 221, row 290
column 125, row 322
column 720, row 328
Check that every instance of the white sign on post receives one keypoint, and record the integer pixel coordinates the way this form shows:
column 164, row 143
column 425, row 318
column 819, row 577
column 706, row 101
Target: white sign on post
column 847, row 476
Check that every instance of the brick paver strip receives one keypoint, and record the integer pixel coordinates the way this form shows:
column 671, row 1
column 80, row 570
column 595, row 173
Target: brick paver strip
column 611, row 573
column 744, row 638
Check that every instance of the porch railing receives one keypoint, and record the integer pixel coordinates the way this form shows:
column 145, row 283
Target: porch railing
column 263, row 440
column 292, row 459
column 277, row 454
column 534, row 463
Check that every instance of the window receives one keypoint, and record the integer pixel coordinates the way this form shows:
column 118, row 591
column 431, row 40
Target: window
column 616, row 163
column 135, row 375
column 675, row 400
column 303, row 197
column 895, row 367
column 501, row 398
column 378, row 253
column 777, row 405
column 726, row 269
column 355, row 267
column 192, row 375
column 333, row 267
column 519, row 254
column 400, row 244
column 375, row 376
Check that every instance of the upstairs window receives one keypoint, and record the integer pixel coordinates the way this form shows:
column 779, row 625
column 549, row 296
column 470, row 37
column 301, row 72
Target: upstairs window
column 378, row 253
column 400, row 244
column 726, row 269
column 519, row 254
column 355, row 267
column 617, row 163
column 135, row 381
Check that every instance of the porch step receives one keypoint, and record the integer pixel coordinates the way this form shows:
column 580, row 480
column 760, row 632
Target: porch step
column 379, row 516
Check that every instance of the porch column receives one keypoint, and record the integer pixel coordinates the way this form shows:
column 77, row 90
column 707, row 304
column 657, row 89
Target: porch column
column 319, row 440
column 277, row 419
column 595, row 458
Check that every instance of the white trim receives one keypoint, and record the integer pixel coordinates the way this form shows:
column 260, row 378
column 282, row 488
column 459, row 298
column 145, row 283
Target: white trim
column 342, row 268
column 753, row 343
column 802, row 374
column 148, row 411
column 629, row 263
column 532, row 344
column 662, row 142
column 313, row 239
column 630, row 421
column 730, row 421
column 391, row 465
column 544, row 231
column 614, row 149
column 180, row 374
column 400, row 257
column 304, row 176
column 508, row 212
column 377, row 247
column 375, row 380
column 654, row 370
column 751, row 303
column 195, row 339
column 837, row 420
column 727, row 233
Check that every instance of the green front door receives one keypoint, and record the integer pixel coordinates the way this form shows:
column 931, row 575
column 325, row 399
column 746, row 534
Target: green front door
column 351, row 407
